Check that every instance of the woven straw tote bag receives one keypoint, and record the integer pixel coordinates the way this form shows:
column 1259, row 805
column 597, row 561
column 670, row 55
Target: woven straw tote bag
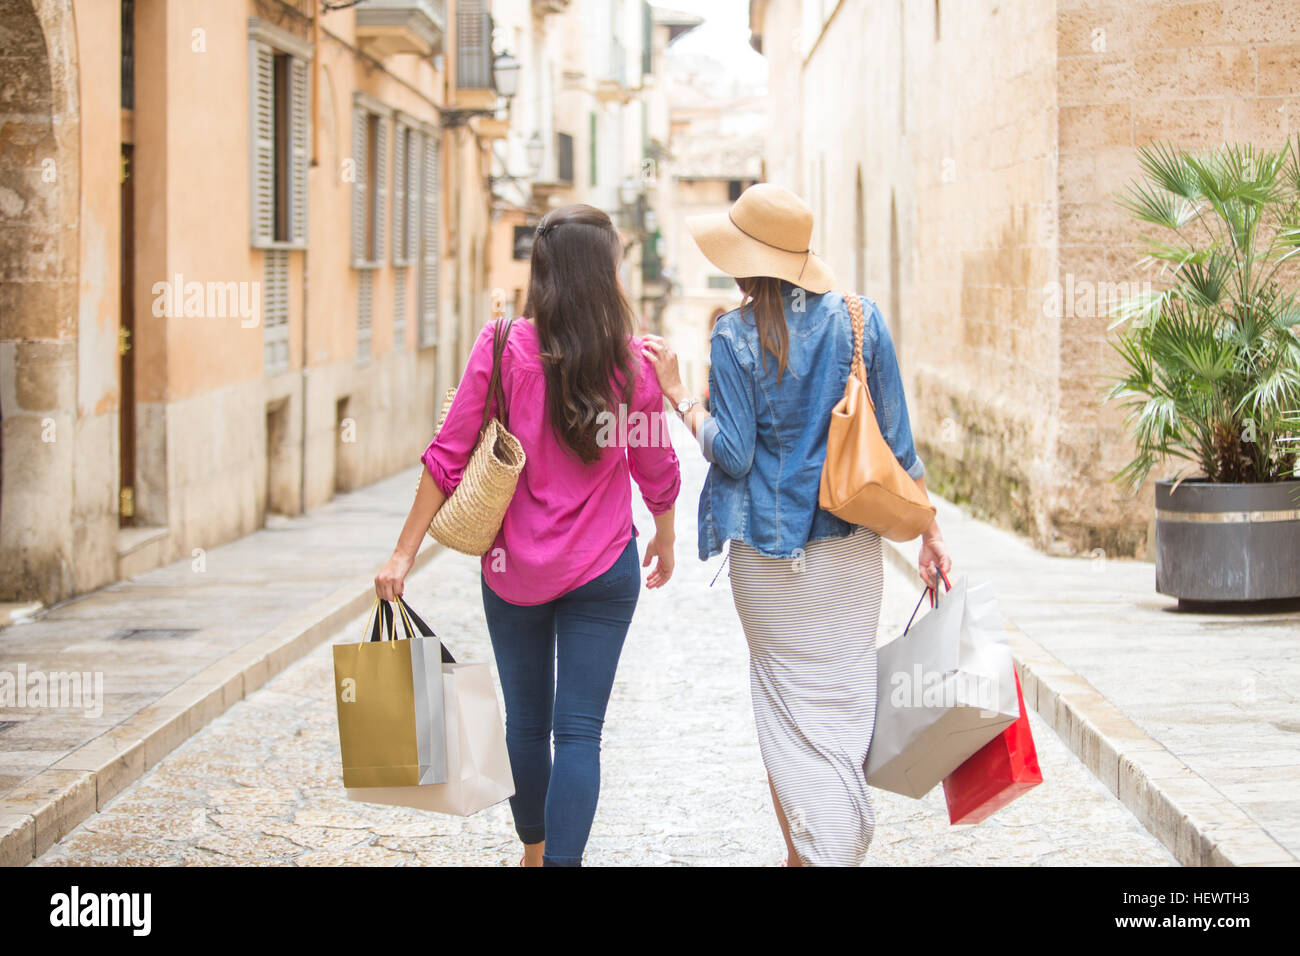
column 469, row 520
column 862, row 482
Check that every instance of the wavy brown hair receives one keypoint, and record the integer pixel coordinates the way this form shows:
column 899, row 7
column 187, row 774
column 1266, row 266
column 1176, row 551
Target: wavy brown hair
column 584, row 323
column 764, row 302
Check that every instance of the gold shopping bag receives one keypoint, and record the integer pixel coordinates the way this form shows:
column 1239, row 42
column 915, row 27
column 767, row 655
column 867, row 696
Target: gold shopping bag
column 389, row 694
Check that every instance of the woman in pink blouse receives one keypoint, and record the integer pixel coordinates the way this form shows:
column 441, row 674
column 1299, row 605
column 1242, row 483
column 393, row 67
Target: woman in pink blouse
column 561, row 580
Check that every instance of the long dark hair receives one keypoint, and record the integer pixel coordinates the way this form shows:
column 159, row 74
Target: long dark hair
column 765, row 303
column 583, row 321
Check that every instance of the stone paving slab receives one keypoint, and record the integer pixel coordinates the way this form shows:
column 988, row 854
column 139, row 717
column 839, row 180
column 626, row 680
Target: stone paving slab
column 247, row 610
column 683, row 782
column 1191, row 719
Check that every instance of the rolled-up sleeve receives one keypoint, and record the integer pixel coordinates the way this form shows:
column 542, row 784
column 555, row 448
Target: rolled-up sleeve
column 727, row 437
column 886, row 383
column 653, row 463
column 449, row 452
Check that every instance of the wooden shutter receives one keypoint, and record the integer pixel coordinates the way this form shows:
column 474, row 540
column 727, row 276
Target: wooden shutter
column 429, row 236
column 275, row 310
column 414, row 152
column 399, row 308
column 299, row 136
column 473, row 46
column 381, row 185
column 399, row 193
column 262, row 143
column 359, row 205
column 365, row 308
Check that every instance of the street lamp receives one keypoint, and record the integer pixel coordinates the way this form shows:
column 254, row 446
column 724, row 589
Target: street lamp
column 505, row 75
column 535, row 151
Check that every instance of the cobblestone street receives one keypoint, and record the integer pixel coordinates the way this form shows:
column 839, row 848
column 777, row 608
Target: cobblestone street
column 682, row 780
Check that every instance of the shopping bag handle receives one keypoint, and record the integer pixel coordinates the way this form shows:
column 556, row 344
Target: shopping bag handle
column 933, row 595
column 384, row 627
column 381, row 622
column 424, row 630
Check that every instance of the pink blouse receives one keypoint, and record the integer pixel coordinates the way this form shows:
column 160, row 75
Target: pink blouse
column 568, row 521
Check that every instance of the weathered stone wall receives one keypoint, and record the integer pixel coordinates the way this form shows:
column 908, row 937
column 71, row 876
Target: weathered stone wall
column 981, row 358
column 926, row 151
column 42, row 520
column 990, row 139
column 1194, row 74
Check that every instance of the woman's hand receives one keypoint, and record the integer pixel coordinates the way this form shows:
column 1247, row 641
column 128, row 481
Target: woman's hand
column 660, row 547
column 667, row 371
column 934, row 554
column 390, row 581
column 391, row 577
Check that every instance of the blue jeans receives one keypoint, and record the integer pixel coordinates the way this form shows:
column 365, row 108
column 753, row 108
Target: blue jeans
column 556, row 662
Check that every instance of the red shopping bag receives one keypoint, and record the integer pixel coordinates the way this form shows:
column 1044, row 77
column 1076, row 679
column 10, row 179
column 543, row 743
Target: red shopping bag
column 996, row 774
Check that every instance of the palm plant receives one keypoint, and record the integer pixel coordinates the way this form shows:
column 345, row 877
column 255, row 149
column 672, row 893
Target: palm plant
column 1213, row 359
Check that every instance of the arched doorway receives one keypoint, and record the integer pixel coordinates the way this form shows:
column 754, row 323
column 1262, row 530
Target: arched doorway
column 39, row 200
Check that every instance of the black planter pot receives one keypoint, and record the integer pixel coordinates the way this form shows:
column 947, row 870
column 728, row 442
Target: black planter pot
column 1223, row 542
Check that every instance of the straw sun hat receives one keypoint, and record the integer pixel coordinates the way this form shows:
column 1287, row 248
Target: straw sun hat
column 766, row 232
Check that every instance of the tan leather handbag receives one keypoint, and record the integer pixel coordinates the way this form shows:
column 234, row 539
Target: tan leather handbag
column 862, row 482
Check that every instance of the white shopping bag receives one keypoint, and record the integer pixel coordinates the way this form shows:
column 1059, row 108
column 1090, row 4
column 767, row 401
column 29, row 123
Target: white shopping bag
column 478, row 766
column 945, row 688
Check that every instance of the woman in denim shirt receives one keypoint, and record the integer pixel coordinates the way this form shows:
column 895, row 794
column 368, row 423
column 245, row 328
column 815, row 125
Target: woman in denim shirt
column 806, row 584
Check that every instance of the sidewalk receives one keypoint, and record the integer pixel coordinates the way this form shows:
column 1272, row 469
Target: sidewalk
column 174, row 648
column 1192, row 720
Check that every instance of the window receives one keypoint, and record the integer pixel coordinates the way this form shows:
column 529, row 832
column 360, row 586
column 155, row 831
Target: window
column 406, row 218
column 591, row 148
column 278, row 137
column 564, row 158
column 473, row 45
column 430, row 236
column 647, row 38
column 523, row 243
column 721, row 282
column 734, row 188
column 369, row 180
column 406, row 193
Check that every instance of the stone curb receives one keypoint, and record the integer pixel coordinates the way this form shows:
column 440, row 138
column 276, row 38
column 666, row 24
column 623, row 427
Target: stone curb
column 40, row 812
column 1194, row 821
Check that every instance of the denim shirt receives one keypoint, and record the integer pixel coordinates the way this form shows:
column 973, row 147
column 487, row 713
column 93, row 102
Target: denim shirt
column 766, row 441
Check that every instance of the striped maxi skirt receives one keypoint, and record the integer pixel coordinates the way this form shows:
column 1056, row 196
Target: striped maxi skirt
column 810, row 623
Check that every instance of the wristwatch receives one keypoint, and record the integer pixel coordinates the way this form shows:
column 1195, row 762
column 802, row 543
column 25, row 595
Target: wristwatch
column 685, row 405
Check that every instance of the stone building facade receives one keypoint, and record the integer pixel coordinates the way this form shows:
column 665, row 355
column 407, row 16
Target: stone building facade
column 243, row 250
column 590, row 125
column 962, row 159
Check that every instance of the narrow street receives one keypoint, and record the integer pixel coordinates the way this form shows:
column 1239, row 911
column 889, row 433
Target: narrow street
column 682, row 780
